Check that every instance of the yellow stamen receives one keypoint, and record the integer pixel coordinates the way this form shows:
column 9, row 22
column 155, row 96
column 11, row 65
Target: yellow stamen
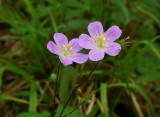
column 66, row 50
column 101, row 37
column 69, row 47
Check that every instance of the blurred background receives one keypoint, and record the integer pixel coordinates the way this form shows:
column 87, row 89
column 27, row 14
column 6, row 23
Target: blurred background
column 127, row 85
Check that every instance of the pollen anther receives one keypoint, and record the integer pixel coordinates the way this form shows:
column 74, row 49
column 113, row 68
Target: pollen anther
column 101, row 37
column 69, row 47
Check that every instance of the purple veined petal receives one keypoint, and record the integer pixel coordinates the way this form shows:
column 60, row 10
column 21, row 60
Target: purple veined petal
column 95, row 29
column 52, row 47
column 80, row 58
column 113, row 49
column 75, row 45
column 65, row 61
column 113, row 33
column 86, row 42
column 60, row 39
column 96, row 55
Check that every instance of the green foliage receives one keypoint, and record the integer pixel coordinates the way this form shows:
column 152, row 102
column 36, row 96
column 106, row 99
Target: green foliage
column 68, row 109
column 141, row 91
column 94, row 111
column 149, row 69
column 64, row 90
column 33, row 98
column 29, row 115
column 104, row 100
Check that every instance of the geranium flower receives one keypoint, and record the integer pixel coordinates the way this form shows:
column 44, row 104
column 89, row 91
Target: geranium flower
column 67, row 52
column 100, row 42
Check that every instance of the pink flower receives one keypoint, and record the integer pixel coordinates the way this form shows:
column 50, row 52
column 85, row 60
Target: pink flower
column 67, row 52
column 100, row 42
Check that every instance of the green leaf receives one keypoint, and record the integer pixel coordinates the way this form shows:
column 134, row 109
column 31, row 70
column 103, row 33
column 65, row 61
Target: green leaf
column 18, row 100
column 74, row 25
column 64, row 82
column 98, row 9
column 144, row 9
column 76, row 113
column 11, row 67
column 25, row 114
column 46, row 114
column 77, row 13
column 73, row 3
column 122, row 6
column 31, row 10
column 149, row 68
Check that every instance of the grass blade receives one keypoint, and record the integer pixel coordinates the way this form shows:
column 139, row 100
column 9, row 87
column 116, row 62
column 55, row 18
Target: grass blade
column 103, row 92
column 33, row 98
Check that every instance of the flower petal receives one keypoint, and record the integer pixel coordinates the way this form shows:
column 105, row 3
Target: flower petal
column 113, row 33
column 80, row 58
column 75, row 45
column 96, row 55
column 52, row 47
column 65, row 61
column 95, row 29
column 60, row 39
column 86, row 41
column 113, row 49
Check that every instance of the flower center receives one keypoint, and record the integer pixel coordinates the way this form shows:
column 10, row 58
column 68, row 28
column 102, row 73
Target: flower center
column 66, row 50
column 101, row 42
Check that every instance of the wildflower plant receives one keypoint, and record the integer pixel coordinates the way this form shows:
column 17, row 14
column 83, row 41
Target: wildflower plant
column 99, row 43
column 111, row 78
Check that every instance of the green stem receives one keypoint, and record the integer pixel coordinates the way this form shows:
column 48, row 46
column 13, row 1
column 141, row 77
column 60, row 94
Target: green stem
column 76, row 87
column 68, row 101
column 88, row 76
column 55, row 88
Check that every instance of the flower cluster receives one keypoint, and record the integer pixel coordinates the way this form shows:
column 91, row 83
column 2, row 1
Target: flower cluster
column 99, row 43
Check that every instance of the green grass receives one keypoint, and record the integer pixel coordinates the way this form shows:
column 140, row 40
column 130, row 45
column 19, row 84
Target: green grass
column 129, row 81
